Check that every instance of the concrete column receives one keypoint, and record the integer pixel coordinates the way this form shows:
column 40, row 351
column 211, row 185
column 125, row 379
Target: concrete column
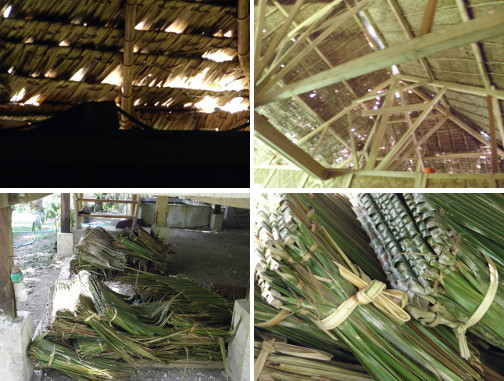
column 216, row 221
column 65, row 245
column 161, row 232
column 15, row 337
column 239, row 348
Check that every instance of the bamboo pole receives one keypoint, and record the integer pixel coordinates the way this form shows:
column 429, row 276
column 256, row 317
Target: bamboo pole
column 244, row 36
column 493, row 138
column 127, row 80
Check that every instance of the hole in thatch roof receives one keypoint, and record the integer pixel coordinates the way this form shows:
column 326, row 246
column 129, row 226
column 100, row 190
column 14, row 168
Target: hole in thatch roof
column 11, row 70
column 19, row 95
column 114, row 77
column 29, row 40
column 220, row 55
column 79, row 75
column 77, row 20
column 140, row 25
column 178, row 26
column 137, row 102
column 35, row 100
column 6, row 11
column 235, row 105
column 167, row 103
column 64, row 43
column 51, row 73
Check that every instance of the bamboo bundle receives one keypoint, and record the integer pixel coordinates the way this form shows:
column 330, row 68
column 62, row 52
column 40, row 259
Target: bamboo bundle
column 302, row 270
column 449, row 280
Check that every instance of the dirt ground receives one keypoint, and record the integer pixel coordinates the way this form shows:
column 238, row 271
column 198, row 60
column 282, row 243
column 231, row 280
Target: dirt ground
column 206, row 256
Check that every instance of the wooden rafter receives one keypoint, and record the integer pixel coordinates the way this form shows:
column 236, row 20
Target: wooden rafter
column 432, row 43
column 396, row 109
column 400, row 145
column 268, row 134
column 428, row 19
column 474, row 90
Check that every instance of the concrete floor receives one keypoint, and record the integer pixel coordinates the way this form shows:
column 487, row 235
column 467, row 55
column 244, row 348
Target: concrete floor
column 209, row 258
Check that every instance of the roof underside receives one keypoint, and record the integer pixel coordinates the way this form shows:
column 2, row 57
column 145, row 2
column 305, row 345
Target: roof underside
column 55, row 54
column 376, row 26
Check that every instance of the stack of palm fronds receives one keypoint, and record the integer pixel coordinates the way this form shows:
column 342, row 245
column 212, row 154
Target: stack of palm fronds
column 312, row 282
column 450, row 278
column 98, row 252
column 106, row 327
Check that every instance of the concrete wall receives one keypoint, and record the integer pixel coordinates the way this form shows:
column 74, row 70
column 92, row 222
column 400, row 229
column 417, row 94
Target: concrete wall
column 179, row 215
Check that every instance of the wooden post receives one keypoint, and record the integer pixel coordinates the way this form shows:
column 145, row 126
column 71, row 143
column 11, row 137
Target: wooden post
column 77, row 207
column 161, row 210
column 127, row 80
column 493, row 138
column 217, row 209
column 65, row 213
column 7, row 298
column 133, row 205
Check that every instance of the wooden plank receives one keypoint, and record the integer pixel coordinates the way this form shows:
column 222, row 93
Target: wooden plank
column 107, row 200
column 161, row 210
column 105, row 215
column 457, row 87
column 429, row 44
column 265, row 131
column 428, row 19
column 493, row 138
column 396, row 109
column 400, row 143
column 7, row 298
column 65, row 212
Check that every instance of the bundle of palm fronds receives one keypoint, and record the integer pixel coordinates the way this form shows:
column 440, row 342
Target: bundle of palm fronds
column 144, row 250
column 98, row 252
column 275, row 359
column 302, row 270
column 110, row 326
column 449, row 277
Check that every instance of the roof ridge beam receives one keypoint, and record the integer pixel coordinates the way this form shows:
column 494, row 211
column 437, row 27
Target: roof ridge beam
column 432, row 43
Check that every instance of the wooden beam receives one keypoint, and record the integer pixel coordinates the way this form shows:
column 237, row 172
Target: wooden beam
column 65, row 213
column 428, row 19
column 498, row 118
column 293, row 61
column 474, row 46
column 400, row 143
column 429, row 44
column 279, row 36
column 493, row 138
column 474, row 90
column 423, row 139
column 128, row 60
column 379, row 133
column 7, row 298
column 265, row 131
column 314, row 18
column 369, row 97
column 396, row 109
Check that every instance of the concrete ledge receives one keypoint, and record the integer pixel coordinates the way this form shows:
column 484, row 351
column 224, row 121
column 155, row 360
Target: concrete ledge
column 161, row 232
column 239, row 348
column 216, row 221
column 65, row 245
column 15, row 337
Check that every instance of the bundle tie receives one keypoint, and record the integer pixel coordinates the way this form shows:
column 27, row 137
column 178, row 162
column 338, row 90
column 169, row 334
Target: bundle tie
column 274, row 320
column 51, row 357
column 93, row 315
column 480, row 311
column 113, row 318
column 369, row 292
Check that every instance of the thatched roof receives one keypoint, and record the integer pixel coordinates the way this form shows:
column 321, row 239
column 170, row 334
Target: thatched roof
column 55, row 54
column 372, row 37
